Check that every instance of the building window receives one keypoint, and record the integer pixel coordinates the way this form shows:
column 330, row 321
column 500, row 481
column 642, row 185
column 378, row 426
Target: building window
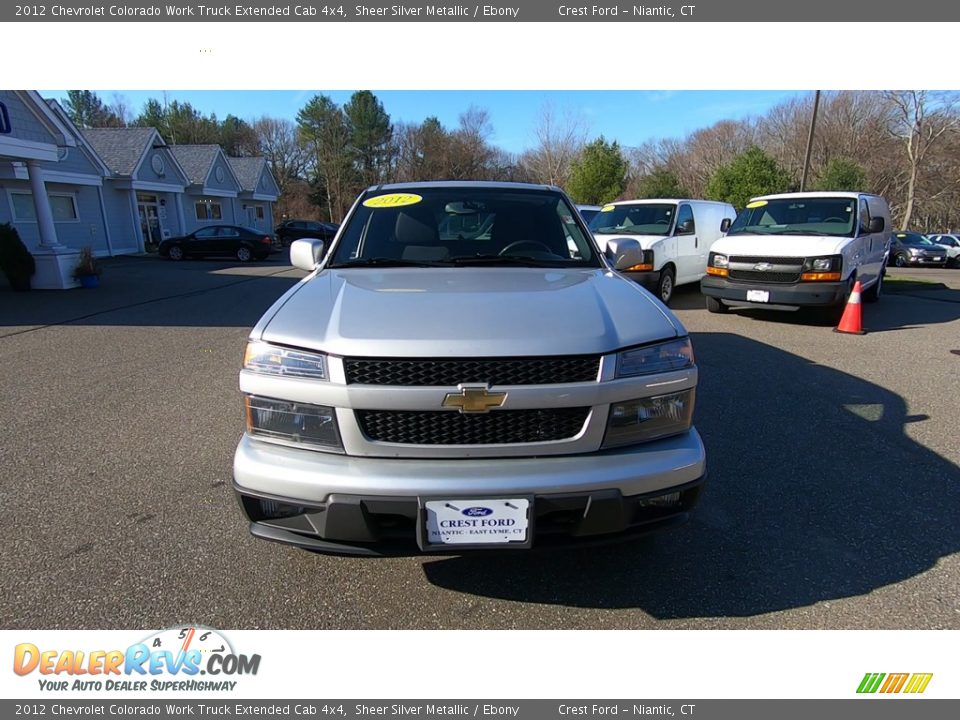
column 208, row 210
column 259, row 212
column 62, row 205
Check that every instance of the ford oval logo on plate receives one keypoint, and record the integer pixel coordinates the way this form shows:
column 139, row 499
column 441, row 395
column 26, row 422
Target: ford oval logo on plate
column 477, row 512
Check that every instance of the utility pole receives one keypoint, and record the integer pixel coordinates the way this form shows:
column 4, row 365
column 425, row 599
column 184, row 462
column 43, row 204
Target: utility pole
column 806, row 159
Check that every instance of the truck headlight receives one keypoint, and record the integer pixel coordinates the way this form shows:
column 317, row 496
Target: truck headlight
column 718, row 264
column 822, row 269
column 637, row 421
column 293, row 423
column 914, row 251
column 660, row 358
column 269, row 359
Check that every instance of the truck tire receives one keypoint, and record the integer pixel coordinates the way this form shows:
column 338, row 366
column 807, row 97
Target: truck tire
column 872, row 294
column 716, row 306
column 665, row 285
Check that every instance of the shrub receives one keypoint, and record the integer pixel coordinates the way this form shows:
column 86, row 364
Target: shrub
column 15, row 260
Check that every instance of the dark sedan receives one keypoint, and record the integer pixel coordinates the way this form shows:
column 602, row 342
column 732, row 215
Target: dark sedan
column 912, row 248
column 243, row 243
column 298, row 229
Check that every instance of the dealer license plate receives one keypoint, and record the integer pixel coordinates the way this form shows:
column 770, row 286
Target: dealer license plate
column 937, row 258
column 477, row 522
column 758, row 296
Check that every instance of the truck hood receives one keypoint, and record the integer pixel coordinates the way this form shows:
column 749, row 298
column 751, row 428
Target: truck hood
column 468, row 312
column 646, row 241
column 780, row 245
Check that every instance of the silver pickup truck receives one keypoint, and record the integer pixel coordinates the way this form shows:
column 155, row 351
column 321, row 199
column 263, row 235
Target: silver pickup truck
column 462, row 370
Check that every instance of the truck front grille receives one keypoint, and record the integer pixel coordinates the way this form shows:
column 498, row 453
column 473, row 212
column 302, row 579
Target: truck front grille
column 414, row 427
column 775, row 269
column 453, row 371
column 764, row 276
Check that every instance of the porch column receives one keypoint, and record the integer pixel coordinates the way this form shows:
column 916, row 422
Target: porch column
column 54, row 262
column 41, row 204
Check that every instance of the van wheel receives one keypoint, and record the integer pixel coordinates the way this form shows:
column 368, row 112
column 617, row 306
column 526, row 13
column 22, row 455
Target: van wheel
column 872, row 294
column 716, row 306
column 665, row 286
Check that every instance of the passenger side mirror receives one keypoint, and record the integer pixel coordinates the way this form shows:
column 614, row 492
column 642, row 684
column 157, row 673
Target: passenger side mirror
column 624, row 253
column 685, row 228
column 725, row 225
column 876, row 225
column 306, row 254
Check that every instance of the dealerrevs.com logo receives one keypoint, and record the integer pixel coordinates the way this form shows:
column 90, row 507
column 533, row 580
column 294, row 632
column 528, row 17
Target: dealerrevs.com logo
column 910, row 683
column 172, row 659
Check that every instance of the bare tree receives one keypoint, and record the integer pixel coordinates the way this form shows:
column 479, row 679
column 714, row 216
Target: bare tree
column 919, row 119
column 560, row 138
column 280, row 144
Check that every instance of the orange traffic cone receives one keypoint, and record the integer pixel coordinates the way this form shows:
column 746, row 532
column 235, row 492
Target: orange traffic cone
column 851, row 322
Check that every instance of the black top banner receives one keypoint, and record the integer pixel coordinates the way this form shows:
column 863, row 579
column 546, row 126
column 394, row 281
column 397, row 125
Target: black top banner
column 728, row 11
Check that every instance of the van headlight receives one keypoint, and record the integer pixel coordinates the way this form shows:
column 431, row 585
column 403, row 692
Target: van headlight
column 270, row 359
column 293, row 423
column 652, row 359
column 637, row 421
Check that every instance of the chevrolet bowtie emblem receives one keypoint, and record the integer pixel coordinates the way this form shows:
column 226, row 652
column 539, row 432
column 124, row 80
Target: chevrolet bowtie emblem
column 763, row 266
column 474, row 399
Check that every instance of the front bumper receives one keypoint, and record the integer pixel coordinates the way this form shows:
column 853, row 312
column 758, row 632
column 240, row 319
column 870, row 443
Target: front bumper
column 808, row 294
column 648, row 279
column 370, row 506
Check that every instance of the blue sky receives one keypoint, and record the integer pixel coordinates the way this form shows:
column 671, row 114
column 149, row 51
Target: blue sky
column 628, row 116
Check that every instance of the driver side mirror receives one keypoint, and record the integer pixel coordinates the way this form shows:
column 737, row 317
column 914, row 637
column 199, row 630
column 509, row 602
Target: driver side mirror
column 725, row 224
column 685, row 228
column 306, row 254
column 876, row 225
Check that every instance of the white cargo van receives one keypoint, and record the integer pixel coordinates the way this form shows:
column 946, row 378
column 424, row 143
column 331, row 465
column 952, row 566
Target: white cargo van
column 800, row 249
column 676, row 236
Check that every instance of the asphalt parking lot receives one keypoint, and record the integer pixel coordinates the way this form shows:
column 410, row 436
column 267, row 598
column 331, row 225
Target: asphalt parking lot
column 832, row 502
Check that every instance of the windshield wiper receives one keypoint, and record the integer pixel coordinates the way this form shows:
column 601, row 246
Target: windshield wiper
column 750, row 232
column 518, row 260
column 387, row 262
column 806, row 232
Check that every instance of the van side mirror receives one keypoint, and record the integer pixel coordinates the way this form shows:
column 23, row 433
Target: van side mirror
column 725, row 224
column 624, row 253
column 306, row 253
column 876, row 225
column 685, row 228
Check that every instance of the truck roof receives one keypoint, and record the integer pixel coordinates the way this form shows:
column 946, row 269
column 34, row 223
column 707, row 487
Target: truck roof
column 669, row 200
column 479, row 184
column 818, row 194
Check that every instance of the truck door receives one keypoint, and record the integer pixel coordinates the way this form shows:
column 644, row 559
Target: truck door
column 691, row 258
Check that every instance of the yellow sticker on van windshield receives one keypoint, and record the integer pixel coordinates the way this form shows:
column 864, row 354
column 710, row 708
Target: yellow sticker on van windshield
column 392, row 200
column 756, row 204
column 608, row 208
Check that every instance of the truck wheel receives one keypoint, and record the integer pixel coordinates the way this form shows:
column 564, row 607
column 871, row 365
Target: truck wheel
column 716, row 306
column 899, row 260
column 665, row 286
column 872, row 294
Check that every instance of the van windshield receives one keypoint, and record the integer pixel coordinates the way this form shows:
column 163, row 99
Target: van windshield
column 459, row 226
column 792, row 216
column 646, row 219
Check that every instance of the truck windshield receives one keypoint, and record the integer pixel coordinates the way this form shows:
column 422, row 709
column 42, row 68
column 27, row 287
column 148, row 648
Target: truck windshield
column 807, row 216
column 454, row 226
column 646, row 219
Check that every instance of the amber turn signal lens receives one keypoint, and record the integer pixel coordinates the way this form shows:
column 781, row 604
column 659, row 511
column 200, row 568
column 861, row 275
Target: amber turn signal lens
column 720, row 272
column 820, row 276
column 639, row 268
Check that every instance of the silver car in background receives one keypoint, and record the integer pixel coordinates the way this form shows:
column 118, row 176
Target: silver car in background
column 452, row 377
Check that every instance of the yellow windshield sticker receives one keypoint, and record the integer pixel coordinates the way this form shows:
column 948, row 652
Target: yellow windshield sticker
column 608, row 208
column 756, row 204
column 392, row 200
column 901, row 234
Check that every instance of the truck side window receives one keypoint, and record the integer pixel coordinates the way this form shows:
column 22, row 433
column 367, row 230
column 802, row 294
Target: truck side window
column 864, row 216
column 685, row 217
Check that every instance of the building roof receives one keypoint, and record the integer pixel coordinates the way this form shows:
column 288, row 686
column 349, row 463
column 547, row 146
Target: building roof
column 247, row 170
column 196, row 160
column 120, row 148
